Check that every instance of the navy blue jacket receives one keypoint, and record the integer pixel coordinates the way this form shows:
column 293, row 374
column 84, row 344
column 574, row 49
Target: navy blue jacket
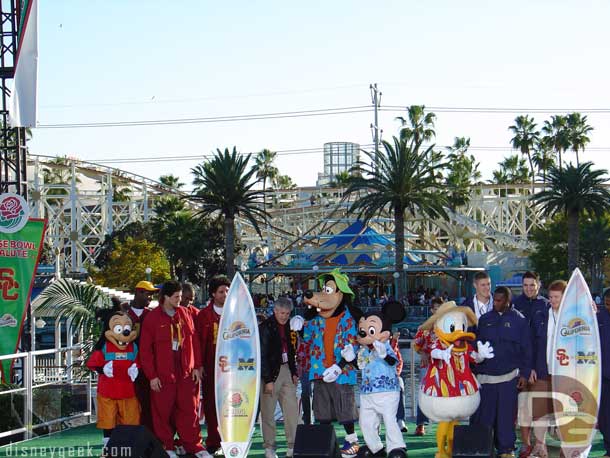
column 603, row 321
column 539, row 327
column 528, row 306
column 509, row 335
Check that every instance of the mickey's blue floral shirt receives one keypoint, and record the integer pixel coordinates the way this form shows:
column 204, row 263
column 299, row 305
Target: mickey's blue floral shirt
column 377, row 375
column 313, row 337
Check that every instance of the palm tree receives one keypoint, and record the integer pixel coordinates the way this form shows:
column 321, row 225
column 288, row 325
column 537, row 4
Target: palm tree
column 512, row 170
column 573, row 191
column 265, row 170
column 418, row 127
column 67, row 298
column 225, row 184
column 171, row 181
column 595, row 247
column 463, row 172
column 525, row 139
column 556, row 135
column 543, row 157
column 577, row 133
column 341, row 179
column 399, row 181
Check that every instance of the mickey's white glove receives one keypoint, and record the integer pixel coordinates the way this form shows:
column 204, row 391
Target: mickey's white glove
column 331, row 374
column 445, row 355
column 348, row 353
column 296, row 323
column 133, row 372
column 484, row 351
column 108, row 369
column 380, row 349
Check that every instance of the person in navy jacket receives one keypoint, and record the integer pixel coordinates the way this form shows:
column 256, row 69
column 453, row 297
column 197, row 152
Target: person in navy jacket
column 528, row 302
column 543, row 325
column 509, row 334
column 603, row 321
column 482, row 301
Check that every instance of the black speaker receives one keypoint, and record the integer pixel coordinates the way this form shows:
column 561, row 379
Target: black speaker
column 316, row 441
column 134, row 442
column 473, row 442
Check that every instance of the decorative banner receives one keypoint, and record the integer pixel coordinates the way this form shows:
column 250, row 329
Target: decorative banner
column 19, row 253
column 576, row 368
column 237, row 371
column 23, row 104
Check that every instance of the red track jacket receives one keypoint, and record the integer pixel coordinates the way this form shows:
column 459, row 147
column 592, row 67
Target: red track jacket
column 156, row 351
column 207, row 327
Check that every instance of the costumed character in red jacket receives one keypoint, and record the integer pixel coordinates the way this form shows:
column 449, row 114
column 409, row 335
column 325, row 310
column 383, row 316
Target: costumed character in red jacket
column 115, row 359
column 171, row 361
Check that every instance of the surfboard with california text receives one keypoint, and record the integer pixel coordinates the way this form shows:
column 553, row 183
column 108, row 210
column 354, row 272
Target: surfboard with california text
column 576, row 368
column 237, row 371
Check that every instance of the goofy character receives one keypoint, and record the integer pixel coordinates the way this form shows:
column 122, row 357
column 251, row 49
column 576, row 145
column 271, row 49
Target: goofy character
column 115, row 359
column 330, row 326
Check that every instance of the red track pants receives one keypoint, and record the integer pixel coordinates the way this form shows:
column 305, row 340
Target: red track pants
column 209, row 410
column 174, row 409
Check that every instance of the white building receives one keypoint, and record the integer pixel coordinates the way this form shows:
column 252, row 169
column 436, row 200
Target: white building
column 338, row 157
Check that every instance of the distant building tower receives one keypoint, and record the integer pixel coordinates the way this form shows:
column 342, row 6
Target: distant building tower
column 338, row 157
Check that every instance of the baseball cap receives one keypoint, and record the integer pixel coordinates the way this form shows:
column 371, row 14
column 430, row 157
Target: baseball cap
column 146, row 285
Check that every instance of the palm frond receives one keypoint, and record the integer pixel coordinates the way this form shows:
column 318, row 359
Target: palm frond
column 74, row 300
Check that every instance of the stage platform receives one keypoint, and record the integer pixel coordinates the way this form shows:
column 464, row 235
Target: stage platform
column 85, row 442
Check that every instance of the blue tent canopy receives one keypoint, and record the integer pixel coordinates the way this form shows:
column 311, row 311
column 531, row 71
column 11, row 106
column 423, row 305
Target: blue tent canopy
column 359, row 244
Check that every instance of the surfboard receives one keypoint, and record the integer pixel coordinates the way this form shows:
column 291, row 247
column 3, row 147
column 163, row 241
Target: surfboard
column 237, row 370
column 576, row 368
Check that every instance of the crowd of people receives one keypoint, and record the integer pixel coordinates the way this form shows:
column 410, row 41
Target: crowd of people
column 521, row 331
column 175, row 383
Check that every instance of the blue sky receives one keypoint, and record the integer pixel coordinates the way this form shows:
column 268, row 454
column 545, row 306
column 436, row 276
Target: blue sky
column 118, row 60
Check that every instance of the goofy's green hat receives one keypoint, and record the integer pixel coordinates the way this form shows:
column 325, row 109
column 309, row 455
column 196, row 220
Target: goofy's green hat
column 340, row 279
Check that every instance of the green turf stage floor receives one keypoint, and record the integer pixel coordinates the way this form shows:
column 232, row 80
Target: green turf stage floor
column 85, row 441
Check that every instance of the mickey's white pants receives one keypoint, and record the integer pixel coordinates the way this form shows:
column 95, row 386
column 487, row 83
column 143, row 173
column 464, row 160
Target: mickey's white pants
column 373, row 407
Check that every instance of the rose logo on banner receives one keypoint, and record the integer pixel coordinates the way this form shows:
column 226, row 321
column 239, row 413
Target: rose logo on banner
column 14, row 213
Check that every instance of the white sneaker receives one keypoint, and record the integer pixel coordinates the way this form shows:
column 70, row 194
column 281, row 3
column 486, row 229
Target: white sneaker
column 289, row 453
column 180, row 450
column 171, row 454
column 203, row 454
column 270, row 453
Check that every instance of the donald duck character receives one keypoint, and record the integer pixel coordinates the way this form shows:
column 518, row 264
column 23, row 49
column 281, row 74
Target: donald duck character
column 379, row 387
column 449, row 390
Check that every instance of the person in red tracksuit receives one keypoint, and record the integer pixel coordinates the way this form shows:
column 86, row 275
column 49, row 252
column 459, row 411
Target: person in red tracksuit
column 171, row 359
column 207, row 328
column 188, row 293
column 137, row 311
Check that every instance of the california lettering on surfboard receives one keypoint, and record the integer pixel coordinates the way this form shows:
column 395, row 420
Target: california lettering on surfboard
column 237, row 370
column 576, row 368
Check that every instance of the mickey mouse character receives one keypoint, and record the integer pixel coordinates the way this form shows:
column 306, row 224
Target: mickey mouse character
column 115, row 359
column 379, row 387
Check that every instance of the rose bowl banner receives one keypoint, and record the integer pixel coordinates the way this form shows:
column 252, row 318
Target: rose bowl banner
column 20, row 246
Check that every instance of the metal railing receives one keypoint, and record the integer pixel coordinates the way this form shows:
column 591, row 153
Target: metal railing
column 37, row 387
column 32, row 376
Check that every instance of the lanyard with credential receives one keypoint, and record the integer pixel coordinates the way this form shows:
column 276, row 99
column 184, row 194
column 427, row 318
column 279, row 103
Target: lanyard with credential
column 178, row 332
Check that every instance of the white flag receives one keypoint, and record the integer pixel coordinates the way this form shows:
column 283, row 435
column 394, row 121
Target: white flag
column 23, row 105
